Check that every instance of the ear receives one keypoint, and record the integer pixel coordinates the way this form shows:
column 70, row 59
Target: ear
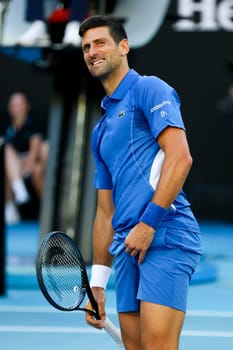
column 124, row 47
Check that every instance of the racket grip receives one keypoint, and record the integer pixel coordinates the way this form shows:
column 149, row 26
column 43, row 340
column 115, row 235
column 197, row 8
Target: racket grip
column 113, row 331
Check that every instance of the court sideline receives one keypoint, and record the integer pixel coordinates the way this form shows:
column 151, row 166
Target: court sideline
column 28, row 322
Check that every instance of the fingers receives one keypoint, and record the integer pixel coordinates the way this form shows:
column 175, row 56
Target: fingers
column 132, row 251
column 138, row 241
column 141, row 256
column 91, row 321
column 136, row 252
column 99, row 295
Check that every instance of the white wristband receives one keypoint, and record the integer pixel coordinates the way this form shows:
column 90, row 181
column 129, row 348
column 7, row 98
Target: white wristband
column 100, row 275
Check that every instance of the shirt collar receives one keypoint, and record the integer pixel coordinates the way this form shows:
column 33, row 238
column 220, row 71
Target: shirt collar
column 122, row 88
column 125, row 85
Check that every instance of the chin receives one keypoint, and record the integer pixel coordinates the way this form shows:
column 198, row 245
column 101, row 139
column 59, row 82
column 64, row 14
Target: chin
column 98, row 75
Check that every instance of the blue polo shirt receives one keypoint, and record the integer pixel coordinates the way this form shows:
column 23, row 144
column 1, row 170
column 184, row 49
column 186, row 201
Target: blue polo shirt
column 127, row 156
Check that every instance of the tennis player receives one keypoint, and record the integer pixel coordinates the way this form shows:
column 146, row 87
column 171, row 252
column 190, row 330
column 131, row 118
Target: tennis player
column 143, row 219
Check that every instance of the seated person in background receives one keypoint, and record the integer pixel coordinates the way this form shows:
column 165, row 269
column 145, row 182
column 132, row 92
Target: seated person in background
column 26, row 155
column 36, row 34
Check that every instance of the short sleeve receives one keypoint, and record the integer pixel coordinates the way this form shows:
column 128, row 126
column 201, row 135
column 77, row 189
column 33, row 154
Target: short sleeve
column 159, row 103
column 102, row 177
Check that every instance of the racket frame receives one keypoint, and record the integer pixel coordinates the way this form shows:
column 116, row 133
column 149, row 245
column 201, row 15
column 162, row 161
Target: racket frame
column 86, row 289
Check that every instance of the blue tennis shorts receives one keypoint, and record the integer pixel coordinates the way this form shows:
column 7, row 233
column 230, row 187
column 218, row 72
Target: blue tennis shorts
column 163, row 277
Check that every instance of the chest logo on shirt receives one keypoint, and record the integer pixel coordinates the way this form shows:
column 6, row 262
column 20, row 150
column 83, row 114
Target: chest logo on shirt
column 121, row 114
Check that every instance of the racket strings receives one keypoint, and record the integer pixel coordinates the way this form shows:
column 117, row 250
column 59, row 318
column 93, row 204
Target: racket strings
column 62, row 273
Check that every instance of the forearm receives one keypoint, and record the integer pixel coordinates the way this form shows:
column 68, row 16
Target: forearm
column 102, row 260
column 173, row 175
column 102, row 239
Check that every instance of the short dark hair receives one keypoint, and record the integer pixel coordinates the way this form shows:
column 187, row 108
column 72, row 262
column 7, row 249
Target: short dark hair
column 116, row 29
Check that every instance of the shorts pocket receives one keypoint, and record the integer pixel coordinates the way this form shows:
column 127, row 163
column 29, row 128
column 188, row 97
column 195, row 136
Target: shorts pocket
column 177, row 238
column 187, row 240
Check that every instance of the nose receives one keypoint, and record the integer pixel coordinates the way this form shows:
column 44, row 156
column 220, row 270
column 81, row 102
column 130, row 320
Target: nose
column 92, row 51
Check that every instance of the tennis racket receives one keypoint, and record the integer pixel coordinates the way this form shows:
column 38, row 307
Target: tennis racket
column 62, row 277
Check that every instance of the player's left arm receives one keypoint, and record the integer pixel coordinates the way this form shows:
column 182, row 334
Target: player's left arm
column 176, row 166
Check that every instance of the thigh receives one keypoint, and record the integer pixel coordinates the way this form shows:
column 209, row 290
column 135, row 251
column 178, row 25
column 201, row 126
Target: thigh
column 13, row 162
column 160, row 326
column 130, row 330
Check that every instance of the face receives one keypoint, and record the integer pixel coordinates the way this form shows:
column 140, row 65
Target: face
column 18, row 106
column 102, row 55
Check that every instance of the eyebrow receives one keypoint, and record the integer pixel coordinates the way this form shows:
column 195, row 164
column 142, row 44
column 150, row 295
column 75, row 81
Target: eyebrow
column 95, row 41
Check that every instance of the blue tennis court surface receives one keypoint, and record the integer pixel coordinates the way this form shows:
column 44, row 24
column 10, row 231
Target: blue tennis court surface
column 28, row 322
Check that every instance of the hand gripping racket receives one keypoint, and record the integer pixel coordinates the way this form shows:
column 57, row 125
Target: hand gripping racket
column 63, row 280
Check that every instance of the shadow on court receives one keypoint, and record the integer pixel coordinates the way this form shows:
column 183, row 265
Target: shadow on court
column 27, row 321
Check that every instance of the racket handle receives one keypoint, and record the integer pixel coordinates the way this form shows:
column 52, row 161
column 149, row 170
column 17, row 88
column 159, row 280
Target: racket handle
column 113, row 331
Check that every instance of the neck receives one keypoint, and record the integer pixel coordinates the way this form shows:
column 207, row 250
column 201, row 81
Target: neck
column 111, row 82
column 18, row 122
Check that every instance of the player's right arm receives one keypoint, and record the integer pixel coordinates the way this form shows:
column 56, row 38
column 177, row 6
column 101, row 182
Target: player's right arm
column 102, row 230
column 102, row 239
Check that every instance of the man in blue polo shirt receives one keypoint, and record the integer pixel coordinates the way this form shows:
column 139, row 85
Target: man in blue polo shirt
column 143, row 217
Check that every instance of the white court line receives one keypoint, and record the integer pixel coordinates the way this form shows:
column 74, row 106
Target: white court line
column 111, row 311
column 199, row 333
column 210, row 313
column 36, row 329
column 39, row 309
column 88, row 330
column 27, row 309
